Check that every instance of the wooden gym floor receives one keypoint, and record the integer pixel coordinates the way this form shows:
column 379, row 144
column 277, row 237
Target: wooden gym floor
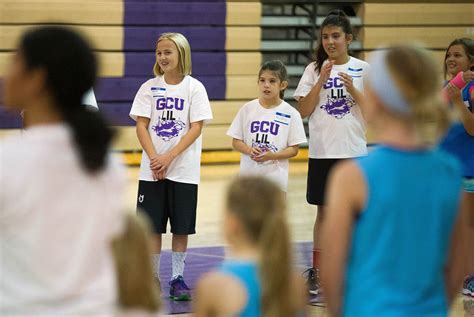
column 214, row 179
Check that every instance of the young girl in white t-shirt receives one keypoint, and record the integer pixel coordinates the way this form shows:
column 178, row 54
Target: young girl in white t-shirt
column 268, row 131
column 170, row 111
column 330, row 94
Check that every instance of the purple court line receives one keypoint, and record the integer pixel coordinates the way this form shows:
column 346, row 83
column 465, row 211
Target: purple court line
column 207, row 255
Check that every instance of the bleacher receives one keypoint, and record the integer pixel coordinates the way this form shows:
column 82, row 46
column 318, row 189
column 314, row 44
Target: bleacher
column 224, row 37
column 229, row 40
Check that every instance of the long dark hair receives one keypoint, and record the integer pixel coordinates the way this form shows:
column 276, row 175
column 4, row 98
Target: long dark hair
column 278, row 69
column 467, row 44
column 334, row 18
column 70, row 68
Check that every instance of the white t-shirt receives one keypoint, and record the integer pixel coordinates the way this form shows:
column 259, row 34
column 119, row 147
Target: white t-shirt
column 336, row 126
column 270, row 130
column 171, row 110
column 56, row 226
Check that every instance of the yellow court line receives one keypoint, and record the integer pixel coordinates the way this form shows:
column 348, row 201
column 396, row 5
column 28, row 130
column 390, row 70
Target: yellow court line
column 210, row 157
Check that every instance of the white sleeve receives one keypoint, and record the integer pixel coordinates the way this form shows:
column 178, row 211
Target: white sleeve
column 142, row 104
column 236, row 129
column 365, row 75
column 307, row 82
column 297, row 134
column 89, row 99
column 200, row 107
column 3, row 185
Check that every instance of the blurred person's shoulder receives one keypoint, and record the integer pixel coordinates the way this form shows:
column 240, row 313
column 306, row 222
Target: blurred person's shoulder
column 13, row 147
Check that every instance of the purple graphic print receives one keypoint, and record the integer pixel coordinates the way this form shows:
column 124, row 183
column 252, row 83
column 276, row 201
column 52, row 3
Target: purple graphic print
column 264, row 147
column 168, row 129
column 339, row 107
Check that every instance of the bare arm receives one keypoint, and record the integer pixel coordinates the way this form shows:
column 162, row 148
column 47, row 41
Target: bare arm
column 307, row 104
column 144, row 136
column 194, row 132
column 211, row 301
column 203, row 301
column 455, row 269
column 161, row 162
column 284, row 154
column 355, row 93
column 147, row 144
column 241, row 147
column 347, row 191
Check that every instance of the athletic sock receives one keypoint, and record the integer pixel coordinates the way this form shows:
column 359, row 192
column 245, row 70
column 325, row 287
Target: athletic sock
column 177, row 263
column 156, row 265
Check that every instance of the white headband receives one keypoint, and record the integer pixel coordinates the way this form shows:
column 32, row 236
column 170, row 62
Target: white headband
column 383, row 84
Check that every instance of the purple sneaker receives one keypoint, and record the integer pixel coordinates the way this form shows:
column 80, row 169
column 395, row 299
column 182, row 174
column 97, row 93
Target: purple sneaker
column 468, row 287
column 312, row 280
column 179, row 291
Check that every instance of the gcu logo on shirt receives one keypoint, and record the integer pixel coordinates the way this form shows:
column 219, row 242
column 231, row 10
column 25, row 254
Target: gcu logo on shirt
column 141, row 198
column 335, row 82
column 169, row 103
column 264, row 127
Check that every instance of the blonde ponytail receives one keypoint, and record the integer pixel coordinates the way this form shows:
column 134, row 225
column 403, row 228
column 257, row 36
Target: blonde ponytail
column 260, row 205
column 275, row 268
column 132, row 252
column 417, row 75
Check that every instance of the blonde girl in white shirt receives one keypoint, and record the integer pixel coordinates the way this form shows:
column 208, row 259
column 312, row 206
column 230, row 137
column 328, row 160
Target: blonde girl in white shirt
column 170, row 110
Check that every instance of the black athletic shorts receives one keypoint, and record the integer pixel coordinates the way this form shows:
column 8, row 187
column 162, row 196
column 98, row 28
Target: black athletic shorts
column 318, row 172
column 166, row 199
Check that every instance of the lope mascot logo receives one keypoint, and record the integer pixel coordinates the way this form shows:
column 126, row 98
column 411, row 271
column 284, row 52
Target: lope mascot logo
column 168, row 129
column 338, row 108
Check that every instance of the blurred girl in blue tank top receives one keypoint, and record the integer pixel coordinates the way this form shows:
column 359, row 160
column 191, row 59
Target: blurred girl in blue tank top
column 393, row 217
column 257, row 280
column 459, row 141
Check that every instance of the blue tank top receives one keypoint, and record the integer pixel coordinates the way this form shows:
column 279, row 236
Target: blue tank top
column 458, row 142
column 247, row 273
column 400, row 240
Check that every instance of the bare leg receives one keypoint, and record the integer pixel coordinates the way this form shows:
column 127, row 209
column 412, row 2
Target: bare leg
column 469, row 232
column 313, row 279
column 157, row 256
column 158, row 243
column 317, row 227
column 179, row 243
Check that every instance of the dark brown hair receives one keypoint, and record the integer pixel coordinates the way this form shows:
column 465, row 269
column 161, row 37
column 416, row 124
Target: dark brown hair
column 467, row 44
column 71, row 69
column 278, row 69
column 334, row 18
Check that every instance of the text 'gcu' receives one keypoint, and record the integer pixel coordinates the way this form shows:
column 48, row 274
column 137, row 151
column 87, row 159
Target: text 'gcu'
column 336, row 85
column 169, row 103
column 264, row 127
